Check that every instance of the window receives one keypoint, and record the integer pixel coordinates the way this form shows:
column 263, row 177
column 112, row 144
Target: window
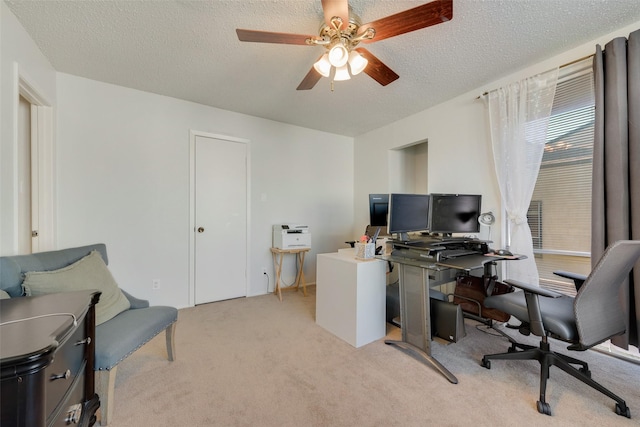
column 534, row 218
column 560, row 212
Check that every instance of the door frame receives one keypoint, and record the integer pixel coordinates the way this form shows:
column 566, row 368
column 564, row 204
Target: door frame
column 43, row 176
column 192, row 205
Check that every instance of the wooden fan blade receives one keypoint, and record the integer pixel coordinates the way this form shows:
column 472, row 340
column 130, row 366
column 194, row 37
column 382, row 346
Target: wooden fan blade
column 333, row 8
column 435, row 12
column 269, row 37
column 376, row 69
column 310, row 79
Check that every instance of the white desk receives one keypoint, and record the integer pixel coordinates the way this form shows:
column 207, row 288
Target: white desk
column 351, row 297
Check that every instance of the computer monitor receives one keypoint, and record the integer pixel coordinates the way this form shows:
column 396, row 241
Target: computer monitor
column 455, row 213
column 378, row 209
column 407, row 213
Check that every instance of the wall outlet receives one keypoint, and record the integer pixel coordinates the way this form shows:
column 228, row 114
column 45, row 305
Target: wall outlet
column 264, row 270
column 155, row 284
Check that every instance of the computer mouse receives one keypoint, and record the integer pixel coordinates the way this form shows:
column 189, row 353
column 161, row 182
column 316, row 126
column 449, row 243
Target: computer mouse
column 503, row 252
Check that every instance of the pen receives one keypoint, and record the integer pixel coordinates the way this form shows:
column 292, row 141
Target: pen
column 375, row 236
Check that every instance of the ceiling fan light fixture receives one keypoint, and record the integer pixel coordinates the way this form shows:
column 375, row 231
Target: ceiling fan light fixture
column 340, row 32
column 323, row 66
column 342, row 73
column 357, row 62
column 338, row 55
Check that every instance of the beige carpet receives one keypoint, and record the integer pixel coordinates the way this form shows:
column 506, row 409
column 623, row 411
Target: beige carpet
column 261, row 362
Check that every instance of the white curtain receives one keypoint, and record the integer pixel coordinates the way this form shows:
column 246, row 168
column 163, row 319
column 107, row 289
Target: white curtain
column 519, row 117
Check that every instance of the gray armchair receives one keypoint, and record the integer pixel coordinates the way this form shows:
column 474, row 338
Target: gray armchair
column 592, row 317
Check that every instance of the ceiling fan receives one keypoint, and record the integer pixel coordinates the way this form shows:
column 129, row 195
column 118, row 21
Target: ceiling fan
column 342, row 32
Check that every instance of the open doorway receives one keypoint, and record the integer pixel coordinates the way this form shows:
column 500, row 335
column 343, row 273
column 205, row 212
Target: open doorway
column 408, row 168
column 35, row 184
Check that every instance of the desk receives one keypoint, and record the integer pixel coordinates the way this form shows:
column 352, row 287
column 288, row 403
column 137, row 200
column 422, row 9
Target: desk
column 351, row 297
column 416, row 278
column 278, row 256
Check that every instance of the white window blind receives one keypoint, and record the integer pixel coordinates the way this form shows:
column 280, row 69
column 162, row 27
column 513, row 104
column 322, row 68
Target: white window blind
column 560, row 211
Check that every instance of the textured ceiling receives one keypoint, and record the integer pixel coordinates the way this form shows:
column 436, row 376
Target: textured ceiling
column 189, row 50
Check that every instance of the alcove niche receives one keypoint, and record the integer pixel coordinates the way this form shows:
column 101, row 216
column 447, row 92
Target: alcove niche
column 408, row 167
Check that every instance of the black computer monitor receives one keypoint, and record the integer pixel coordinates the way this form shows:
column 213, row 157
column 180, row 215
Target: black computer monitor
column 455, row 213
column 378, row 209
column 408, row 213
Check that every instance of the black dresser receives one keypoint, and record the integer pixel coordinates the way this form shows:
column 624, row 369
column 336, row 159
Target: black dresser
column 46, row 360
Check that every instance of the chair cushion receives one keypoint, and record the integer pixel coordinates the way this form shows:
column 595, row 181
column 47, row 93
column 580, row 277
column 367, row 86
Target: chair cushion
column 10, row 276
column 128, row 331
column 89, row 272
column 557, row 313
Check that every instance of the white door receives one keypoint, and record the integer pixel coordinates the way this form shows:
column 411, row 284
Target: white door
column 28, row 178
column 220, row 219
column 24, row 176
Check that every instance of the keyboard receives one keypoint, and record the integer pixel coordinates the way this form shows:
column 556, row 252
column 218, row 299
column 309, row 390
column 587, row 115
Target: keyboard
column 454, row 253
column 421, row 243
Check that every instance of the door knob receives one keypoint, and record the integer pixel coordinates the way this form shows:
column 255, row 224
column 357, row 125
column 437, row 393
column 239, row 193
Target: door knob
column 200, row 229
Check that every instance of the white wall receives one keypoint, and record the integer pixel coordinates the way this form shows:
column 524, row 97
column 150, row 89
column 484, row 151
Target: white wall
column 123, row 172
column 19, row 57
column 460, row 159
column 123, row 165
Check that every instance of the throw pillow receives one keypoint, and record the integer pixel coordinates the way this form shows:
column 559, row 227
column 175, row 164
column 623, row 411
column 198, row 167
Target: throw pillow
column 89, row 272
column 4, row 295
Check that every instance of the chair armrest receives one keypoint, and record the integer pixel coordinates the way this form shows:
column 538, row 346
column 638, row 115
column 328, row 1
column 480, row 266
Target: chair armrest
column 578, row 279
column 533, row 289
column 135, row 302
column 531, row 294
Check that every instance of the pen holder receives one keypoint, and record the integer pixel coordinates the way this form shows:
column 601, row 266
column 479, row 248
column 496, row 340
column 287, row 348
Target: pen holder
column 365, row 250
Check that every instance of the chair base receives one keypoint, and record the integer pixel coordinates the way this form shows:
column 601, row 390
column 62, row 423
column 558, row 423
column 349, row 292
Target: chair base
column 548, row 358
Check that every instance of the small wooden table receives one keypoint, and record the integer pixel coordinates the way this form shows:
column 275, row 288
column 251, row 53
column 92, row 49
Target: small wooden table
column 278, row 257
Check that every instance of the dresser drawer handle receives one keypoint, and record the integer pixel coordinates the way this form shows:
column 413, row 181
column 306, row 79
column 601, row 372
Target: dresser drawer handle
column 74, row 413
column 87, row 340
column 65, row 375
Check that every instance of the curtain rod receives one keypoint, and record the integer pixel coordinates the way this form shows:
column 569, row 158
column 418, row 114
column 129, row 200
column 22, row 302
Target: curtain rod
column 562, row 66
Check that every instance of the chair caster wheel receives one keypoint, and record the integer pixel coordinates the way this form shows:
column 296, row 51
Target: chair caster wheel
column 544, row 408
column 485, row 363
column 623, row 410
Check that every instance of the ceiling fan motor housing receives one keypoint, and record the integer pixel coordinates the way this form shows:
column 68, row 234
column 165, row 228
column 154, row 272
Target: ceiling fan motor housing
column 337, row 33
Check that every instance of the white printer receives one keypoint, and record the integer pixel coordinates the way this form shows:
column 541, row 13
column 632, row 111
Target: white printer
column 291, row 236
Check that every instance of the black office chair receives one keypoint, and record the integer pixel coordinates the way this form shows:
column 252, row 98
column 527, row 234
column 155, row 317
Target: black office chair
column 592, row 317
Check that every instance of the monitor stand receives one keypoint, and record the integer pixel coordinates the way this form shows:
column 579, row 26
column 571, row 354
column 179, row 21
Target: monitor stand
column 404, row 237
